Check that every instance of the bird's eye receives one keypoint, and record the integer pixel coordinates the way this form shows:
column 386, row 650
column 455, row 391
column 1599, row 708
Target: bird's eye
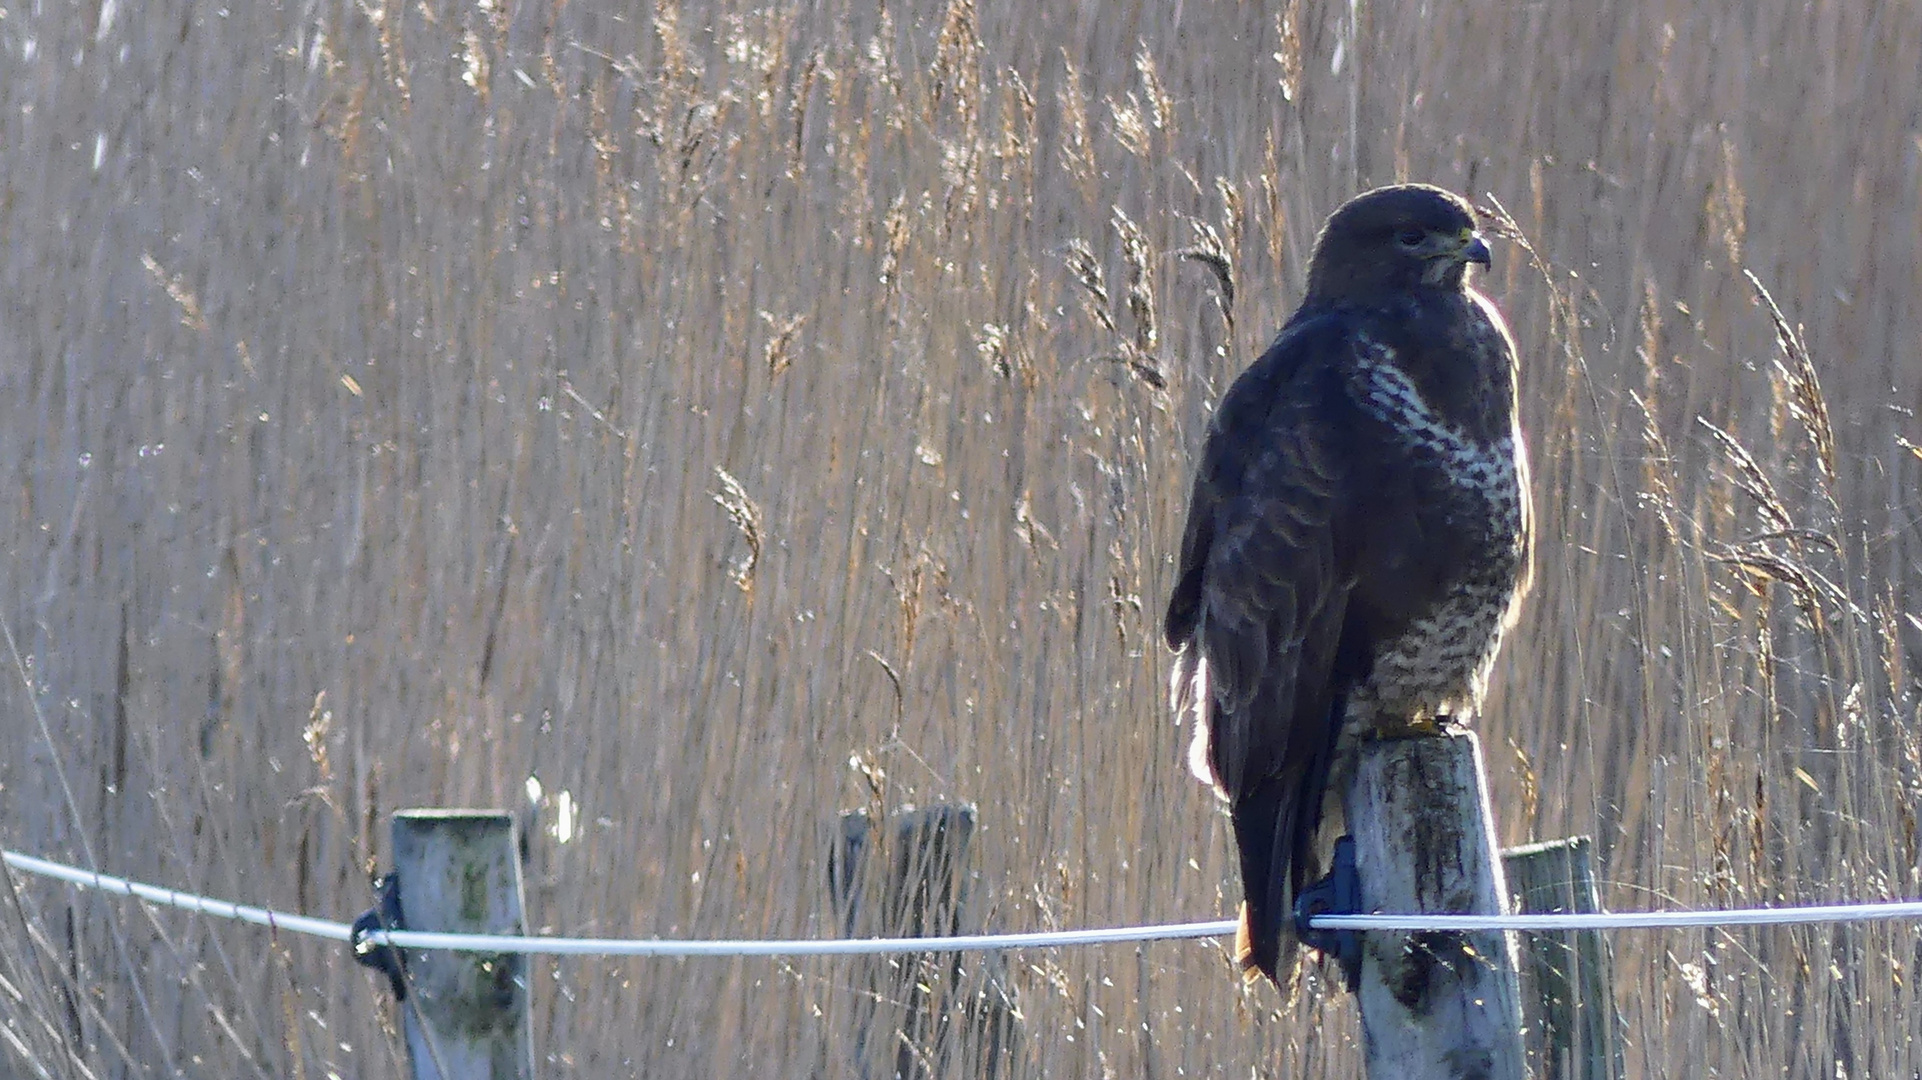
column 1409, row 237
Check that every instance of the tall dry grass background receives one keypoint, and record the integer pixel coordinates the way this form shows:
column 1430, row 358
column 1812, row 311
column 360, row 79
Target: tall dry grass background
column 734, row 415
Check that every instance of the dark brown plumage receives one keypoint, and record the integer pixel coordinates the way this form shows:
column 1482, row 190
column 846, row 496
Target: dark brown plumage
column 1357, row 538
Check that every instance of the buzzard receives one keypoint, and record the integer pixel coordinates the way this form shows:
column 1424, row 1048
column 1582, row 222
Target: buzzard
column 1357, row 537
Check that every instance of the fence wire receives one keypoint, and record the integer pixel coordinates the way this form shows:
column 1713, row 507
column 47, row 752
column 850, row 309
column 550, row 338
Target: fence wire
column 573, row 946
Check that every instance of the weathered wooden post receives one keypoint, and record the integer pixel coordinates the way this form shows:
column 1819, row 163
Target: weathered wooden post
column 467, row 1015
column 1435, row 1005
column 1565, row 973
column 911, row 880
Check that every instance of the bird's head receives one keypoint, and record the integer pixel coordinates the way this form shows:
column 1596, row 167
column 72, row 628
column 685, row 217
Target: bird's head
column 1410, row 236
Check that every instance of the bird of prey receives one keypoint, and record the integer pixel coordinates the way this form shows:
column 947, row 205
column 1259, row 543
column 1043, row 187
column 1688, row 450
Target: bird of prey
column 1357, row 536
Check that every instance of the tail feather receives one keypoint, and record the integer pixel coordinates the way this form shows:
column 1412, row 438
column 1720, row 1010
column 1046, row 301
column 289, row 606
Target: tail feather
column 1276, row 823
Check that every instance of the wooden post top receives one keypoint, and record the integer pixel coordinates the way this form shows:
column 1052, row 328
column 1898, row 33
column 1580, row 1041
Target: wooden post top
column 468, row 1015
column 1434, row 1005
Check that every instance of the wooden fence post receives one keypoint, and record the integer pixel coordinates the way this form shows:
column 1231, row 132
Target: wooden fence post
column 467, row 1015
column 1565, row 974
column 911, row 880
column 1434, row 1005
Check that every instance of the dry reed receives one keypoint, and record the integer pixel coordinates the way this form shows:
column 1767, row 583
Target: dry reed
column 372, row 376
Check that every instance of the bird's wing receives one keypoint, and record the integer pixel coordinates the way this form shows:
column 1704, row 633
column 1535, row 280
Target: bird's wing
column 1258, row 612
column 1261, row 585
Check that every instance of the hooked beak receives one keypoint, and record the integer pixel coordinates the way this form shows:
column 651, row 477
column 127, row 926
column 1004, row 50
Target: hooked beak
column 1476, row 251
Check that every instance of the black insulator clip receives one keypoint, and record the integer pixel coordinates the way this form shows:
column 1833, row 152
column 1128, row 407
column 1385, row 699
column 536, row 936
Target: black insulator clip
column 384, row 915
column 1337, row 894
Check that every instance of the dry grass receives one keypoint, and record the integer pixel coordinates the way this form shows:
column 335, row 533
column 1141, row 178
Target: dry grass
column 372, row 376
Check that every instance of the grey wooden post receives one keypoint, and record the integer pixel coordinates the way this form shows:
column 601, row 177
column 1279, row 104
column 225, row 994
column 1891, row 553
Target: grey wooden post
column 1434, row 1005
column 911, row 880
column 1565, row 974
column 467, row 1015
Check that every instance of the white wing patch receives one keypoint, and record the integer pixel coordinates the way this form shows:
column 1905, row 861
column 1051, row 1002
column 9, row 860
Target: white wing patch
column 1193, row 696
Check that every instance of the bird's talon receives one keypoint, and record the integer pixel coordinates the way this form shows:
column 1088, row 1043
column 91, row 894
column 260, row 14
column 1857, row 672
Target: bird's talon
column 1409, row 728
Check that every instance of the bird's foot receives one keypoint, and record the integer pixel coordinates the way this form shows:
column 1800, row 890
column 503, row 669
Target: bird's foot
column 1411, row 727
